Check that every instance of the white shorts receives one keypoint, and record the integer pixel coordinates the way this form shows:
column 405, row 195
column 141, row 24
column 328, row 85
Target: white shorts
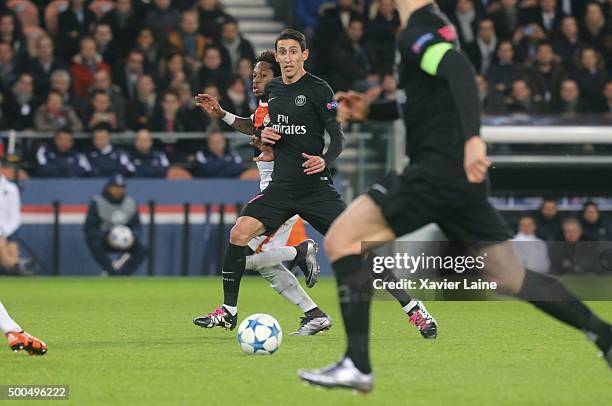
column 278, row 239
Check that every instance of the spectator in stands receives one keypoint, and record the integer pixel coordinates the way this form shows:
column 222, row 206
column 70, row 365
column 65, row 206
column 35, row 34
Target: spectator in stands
column 531, row 251
column 10, row 32
column 188, row 40
column 198, row 119
column 527, row 40
column 112, row 208
column 170, row 119
column 492, row 100
column 140, row 109
column 126, row 76
column 591, row 77
column 162, row 18
column 594, row 227
column 568, row 45
column 521, row 100
column 572, row 230
column 548, row 221
column 175, row 72
column 211, row 17
column 381, row 31
column 145, row 43
column 10, row 221
column 60, row 160
column 350, row 60
column 233, row 46
column 9, row 68
column 466, row 19
column 125, row 21
column 546, row 16
column 55, row 115
column 21, row 104
column 211, row 73
column 545, row 75
column 74, row 23
column 236, row 100
column 504, row 71
column 333, row 22
column 60, row 82
column 245, row 72
column 217, row 160
column 212, row 90
column 594, row 29
column 607, row 92
column 102, row 82
column 44, row 63
column 563, row 254
column 148, row 162
column 570, row 102
column 104, row 159
column 101, row 111
column 506, row 19
column 84, row 65
column 306, row 14
column 106, row 46
column 482, row 50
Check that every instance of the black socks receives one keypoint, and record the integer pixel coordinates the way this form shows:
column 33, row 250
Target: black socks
column 233, row 269
column 548, row 295
column 355, row 295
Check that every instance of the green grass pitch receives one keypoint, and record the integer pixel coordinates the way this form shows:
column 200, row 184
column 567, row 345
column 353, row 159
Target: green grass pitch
column 131, row 341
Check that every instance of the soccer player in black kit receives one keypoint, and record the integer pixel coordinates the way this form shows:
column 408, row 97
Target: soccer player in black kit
column 301, row 108
column 444, row 184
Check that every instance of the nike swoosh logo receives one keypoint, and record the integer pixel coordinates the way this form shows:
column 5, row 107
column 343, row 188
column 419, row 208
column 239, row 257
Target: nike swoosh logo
column 269, row 100
column 225, row 272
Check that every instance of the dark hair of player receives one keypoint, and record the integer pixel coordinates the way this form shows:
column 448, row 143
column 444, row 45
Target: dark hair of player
column 268, row 57
column 295, row 35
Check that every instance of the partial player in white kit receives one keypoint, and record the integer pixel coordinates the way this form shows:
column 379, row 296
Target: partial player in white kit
column 17, row 338
column 269, row 253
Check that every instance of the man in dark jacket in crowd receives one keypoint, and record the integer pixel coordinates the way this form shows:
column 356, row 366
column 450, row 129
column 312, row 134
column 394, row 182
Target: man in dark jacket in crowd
column 104, row 159
column 148, row 162
column 114, row 208
column 60, row 160
column 548, row 221
column 217, row 160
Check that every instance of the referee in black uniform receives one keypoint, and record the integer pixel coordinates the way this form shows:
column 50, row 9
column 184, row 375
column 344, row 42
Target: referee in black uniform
column 444, row 184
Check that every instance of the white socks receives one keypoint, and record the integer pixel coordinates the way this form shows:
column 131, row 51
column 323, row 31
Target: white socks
column 7, row 325
column 285, row 283
column 269, row 258
column 408, row 308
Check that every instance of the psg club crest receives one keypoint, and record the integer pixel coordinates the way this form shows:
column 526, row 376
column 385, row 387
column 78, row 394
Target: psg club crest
column 331, row 105
column 300, row 100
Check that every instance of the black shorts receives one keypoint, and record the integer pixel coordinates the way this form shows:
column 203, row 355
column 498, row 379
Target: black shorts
column 461, row 209
column 318, row 205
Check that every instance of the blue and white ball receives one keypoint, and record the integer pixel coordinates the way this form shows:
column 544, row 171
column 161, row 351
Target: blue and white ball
column 260, row 334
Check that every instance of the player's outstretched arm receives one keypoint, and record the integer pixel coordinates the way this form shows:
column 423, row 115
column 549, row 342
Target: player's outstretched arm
column 212, row 107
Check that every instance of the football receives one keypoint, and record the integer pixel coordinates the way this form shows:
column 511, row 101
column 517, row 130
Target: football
column 120, row 237
column 260, row 334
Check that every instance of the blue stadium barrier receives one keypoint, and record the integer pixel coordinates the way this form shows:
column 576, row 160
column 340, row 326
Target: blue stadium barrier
column 207, row 234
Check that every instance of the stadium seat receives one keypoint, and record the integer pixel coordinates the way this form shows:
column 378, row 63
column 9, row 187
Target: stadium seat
column 26, row 11
column 101, row 7
column 178, row 173
column 52, row 12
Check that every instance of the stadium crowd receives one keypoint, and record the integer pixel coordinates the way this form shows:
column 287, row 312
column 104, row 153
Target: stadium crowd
column 105, row 66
